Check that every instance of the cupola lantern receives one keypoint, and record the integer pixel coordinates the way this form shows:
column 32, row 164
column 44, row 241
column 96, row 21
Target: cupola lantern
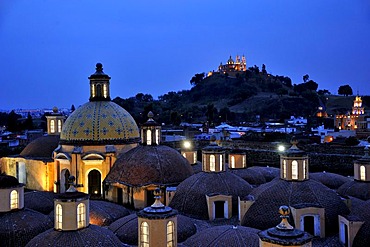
column 99, row 85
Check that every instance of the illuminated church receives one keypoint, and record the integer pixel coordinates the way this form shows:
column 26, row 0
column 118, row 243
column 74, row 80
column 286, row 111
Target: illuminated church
column 231, row 67
column 352, row 120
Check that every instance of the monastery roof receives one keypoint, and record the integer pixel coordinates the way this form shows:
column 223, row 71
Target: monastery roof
column 190, row 194
column 268, row 197
column 7, row 181
column 363, row 235
column 42, row 148
column 32, row 201
column 358, row 189
column 103, row 213
column 99, row 123
column 126, row 228
column 252, row 176
column 144, row 165
column 269, row 173
column 90, row 236
column 225, row 235
column 17, row 228
column 331, row 180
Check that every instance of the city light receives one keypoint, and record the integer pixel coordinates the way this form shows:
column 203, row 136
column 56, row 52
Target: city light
column 281, row 148
column 187, row 144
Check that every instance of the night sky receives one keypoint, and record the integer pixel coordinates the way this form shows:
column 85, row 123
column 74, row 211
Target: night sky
column 49, row 48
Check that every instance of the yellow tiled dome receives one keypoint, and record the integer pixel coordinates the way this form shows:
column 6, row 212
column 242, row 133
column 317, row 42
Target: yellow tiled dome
column 99, row 122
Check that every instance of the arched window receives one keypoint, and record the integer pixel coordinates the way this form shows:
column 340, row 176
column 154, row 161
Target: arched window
column 304, row 170
column 58, row 217
column 105, row 91
column 212, row 162
column 244, row 165
column 81, row 215
column 157, row 136
column 14, row 199
column 148, row 137
column 195, row 158
column 93, row 90
column 52, row 126
column 294, row 169
column 284, row 168
column 232, row 162
column 170, row 231
column 144, row 234
column 362, row 173
column 221, row 163
column 59, row 125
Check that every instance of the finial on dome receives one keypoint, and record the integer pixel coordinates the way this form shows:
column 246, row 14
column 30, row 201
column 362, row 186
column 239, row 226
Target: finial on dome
column 99, row 67
column 150, row 114
column 71, row 181
column 157, row 196
column 55, row 109
column 284, row 215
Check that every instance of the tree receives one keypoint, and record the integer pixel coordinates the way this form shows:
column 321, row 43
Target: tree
column 264, row 69
column 311, row 85
column 345, row 90
column 197, row 78
column 12, row 124
column 323, row 92
column 73, row 108
column 306, row 77
column 28, row 124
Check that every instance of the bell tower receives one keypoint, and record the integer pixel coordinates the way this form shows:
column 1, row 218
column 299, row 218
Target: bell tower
column 99, row 85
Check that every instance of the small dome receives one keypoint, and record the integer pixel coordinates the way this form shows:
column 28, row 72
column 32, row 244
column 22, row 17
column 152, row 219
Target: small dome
column 190, row 194
column 331, row 180
column 270, row 196
column 41, row 148
column 225, row 236
column 99, row 122
column 126, row 228
column 103, row 213
column 32, row 201
column 7, row 181
column 17, row 228
column 363, row 235
column 269, row 173
column 146, row 165
column 253, row 177
column 90, row 236
column 360, row 190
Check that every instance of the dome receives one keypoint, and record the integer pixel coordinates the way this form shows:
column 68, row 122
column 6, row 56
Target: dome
column 268, row 172
column 331, row 180
column 90, row 236
column 360, row 190
column 270, row 196
column 238, row 236
column 144, row 165
column 7, row 181
column 32, row 201
column 41, row 148
column 99, row 122
column 190, row 194
column 17, row 228
column 103, row 213
column 126, row 228
column 252, row 176
column 363, row 235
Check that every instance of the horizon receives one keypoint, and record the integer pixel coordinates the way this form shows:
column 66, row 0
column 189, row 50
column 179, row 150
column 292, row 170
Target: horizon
column 52, row 47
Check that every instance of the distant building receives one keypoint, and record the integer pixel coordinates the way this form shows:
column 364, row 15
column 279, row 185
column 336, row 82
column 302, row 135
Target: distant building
column 352, row 120
column 232, row 67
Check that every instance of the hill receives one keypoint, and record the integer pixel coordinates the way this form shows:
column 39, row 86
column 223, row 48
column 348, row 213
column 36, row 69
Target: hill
column 219, row 98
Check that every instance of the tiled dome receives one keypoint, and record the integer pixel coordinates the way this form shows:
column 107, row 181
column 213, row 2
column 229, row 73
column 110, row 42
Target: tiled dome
column 99, row 122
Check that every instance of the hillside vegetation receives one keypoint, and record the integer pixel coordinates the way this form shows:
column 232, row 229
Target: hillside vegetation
column 220, row 97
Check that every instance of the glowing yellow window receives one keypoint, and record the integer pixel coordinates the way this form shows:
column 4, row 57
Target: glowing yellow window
column 14, row 199
column 52, row 126
column 232, row 162
column 144, row 234
column 59, row 126
column 148, row 137
column 212, row 163
column 58, row 217
column 81, row 215
column 170, row 231
column 294, row 169
column 362, row 173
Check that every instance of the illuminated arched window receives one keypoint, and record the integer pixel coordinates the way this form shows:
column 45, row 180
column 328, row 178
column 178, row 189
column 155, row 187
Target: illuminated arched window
column 81, row 215
column 284, row 168
column 93, row 90
column 157, row 136
column 212, row 163
column 232, row 162
column 144, row 235
column 58, row 217
column 105, row 91
column 59, row 125
column 244, row 165
column 52, row 126
column 221, row 163
column 294, row 169
column 14, row 199
column 304, row 170
column 170, row 231
column 148, row 137
column 362, row 173
column 195, row 158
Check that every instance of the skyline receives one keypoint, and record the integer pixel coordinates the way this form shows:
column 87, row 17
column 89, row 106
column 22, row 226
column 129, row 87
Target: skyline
column 51, row 47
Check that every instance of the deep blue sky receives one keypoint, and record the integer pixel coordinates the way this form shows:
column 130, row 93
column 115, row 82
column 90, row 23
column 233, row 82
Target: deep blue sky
column 49, row 48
